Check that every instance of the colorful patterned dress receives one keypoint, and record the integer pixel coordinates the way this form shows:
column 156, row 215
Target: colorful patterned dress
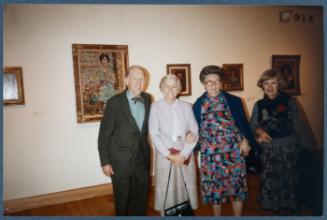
column 223, row 168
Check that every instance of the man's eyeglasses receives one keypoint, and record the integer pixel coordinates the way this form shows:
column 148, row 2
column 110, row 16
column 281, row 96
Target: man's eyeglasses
column 210, row 83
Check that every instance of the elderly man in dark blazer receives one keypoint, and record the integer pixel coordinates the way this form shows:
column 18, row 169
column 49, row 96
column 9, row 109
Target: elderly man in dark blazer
column 123, row 147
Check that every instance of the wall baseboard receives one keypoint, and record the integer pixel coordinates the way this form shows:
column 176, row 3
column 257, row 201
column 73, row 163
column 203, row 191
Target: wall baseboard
column 17, row 205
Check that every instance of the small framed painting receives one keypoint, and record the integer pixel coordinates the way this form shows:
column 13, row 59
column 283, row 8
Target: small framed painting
column 183, row 72
column 13, row 87
column 289, row 68
column 233, row 77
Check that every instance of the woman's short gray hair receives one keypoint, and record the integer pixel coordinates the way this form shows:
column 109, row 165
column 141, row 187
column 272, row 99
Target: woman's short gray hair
column 170, row 77
column 271, row 74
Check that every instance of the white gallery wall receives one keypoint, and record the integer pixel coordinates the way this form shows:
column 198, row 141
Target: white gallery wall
column 46, row 150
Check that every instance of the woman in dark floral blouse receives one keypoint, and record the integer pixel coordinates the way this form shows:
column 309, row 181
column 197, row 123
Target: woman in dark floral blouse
column 281, row 131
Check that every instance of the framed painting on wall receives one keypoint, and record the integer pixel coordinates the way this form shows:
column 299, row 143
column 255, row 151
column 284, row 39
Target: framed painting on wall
column 233, row 77
column 99, row 72
column 183, row 72
column 289, row 68
column 13, row 87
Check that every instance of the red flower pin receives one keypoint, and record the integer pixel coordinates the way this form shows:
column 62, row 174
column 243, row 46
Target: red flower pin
column 281, row 108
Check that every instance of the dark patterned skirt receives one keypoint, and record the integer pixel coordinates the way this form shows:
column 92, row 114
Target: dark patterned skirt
column 278, row 178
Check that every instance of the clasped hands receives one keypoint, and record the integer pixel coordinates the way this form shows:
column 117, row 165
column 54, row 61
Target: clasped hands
column 178, row 159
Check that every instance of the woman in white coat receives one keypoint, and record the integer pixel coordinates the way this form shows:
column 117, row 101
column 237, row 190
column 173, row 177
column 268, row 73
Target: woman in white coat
column 172, row 125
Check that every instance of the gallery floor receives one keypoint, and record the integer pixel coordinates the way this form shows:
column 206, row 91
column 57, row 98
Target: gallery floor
column 103, row 206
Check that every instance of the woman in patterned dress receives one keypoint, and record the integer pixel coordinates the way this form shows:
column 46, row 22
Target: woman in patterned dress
column 224, row 137
column 281, row 132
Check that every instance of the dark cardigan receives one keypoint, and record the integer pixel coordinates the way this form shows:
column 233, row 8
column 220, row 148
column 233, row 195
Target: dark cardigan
column 236, row 107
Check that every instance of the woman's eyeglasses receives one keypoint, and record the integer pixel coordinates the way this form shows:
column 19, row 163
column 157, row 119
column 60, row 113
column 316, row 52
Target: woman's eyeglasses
column 211, row 83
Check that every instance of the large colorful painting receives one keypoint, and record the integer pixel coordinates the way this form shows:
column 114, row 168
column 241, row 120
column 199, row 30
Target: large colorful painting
column 99, row 72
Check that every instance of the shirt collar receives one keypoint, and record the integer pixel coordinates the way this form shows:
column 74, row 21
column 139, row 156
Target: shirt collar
column 172, row 105
column 130, row 95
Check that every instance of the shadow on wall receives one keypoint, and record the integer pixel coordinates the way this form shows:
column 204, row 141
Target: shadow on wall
column 310, row 171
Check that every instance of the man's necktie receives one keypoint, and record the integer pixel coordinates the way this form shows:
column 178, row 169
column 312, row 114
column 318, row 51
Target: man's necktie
column 138, row 99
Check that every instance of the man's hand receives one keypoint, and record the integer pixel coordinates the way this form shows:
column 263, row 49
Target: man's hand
column 245, row 147
column 107, row 170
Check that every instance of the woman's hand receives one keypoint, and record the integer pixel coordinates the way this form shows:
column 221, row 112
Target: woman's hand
column 262, row 136
column 190, row 137
column 245, row 147
column 177, row 159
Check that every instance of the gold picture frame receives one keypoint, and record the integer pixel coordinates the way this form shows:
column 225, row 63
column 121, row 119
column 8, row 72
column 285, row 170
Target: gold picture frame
column 183, row 72
column 99, row 72
column 13, row 86
column 233, row 77
column 289, row 68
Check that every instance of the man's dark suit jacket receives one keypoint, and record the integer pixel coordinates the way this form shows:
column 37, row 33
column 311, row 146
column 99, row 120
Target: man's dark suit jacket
column 121, row 143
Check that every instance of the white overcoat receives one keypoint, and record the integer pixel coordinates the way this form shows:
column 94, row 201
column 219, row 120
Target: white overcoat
column 166, row 121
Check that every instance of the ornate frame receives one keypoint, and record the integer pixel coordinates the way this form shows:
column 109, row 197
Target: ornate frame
column 99, row 72
column 183, row 72
column 289, row 68
column 13, row 87
column 233, row 77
